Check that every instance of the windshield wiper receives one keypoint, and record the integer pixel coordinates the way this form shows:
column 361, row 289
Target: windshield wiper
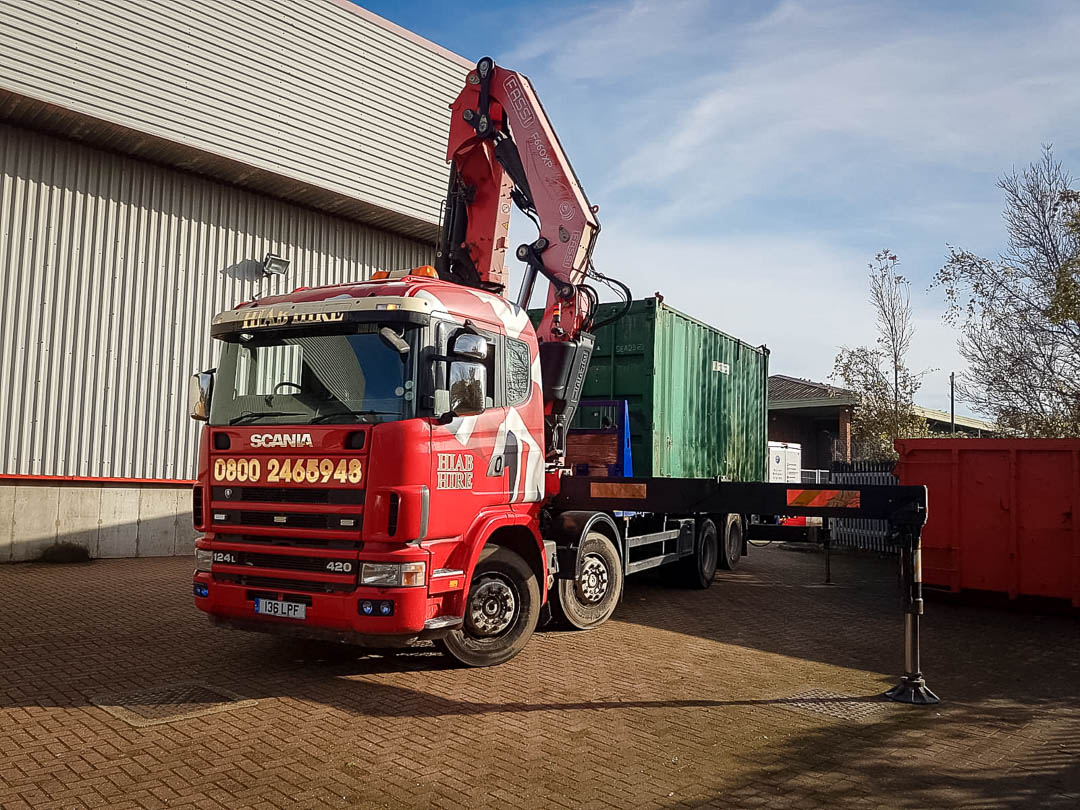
column 322, row 417
column 259, row 414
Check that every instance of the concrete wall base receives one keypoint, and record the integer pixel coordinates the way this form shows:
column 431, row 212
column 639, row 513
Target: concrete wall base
column 108, row 519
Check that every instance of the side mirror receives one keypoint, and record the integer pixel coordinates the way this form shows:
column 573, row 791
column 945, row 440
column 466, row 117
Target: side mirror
column 200, row 389
column 473, row 347
column 468, row 384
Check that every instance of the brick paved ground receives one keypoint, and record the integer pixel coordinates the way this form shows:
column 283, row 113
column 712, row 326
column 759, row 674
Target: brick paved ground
column 682, row 701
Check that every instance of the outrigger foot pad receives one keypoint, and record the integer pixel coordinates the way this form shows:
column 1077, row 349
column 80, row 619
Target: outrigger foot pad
column 912, row 689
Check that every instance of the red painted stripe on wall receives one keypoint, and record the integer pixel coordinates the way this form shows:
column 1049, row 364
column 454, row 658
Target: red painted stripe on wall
column 90, row 479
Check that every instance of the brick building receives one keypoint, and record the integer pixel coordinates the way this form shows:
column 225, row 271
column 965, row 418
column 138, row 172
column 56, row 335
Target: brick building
column 818, row 417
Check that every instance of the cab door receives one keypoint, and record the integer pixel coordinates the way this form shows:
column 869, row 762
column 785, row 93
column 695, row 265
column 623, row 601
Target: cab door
column 467, row 475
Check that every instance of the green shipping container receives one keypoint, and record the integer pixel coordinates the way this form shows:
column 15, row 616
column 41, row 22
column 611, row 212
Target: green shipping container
column 698, row 398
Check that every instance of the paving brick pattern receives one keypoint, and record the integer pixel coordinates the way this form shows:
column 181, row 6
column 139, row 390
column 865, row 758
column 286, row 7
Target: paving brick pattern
column 686, row 699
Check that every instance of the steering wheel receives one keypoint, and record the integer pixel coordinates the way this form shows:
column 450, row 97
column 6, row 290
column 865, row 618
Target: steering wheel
column 297, row 386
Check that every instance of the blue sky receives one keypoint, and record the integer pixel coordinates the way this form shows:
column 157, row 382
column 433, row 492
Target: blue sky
column 750, row 158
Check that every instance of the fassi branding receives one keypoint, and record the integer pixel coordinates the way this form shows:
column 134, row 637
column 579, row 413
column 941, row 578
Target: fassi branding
column 281, row 440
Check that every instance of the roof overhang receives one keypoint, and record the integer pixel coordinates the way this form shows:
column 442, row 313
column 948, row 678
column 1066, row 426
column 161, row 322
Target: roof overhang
column 820, row 403
column 969, row 422
column 37, row 114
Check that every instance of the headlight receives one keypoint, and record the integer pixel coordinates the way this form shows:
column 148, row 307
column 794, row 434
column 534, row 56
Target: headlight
column 393, row 575
column 204, row 558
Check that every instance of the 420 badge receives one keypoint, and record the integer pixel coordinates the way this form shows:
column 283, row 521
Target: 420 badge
column 286, row 470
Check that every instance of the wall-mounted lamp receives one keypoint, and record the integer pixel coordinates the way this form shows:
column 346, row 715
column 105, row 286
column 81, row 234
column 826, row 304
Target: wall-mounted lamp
column 274, row 265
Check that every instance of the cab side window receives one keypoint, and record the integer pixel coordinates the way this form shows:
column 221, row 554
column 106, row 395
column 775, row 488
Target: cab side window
column 518, row 377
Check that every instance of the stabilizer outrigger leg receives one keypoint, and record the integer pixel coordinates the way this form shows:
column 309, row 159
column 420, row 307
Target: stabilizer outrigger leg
column 912, row 687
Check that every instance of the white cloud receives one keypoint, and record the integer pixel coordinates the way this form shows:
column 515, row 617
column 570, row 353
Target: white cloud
column 800, row 296
column 750, row 159
column 708, row 106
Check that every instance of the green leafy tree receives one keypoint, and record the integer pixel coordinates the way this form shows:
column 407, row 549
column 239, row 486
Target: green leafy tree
column 883, row 385
column 1019, row 315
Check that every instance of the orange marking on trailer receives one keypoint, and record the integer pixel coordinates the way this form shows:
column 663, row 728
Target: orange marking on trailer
column 825, row 498
column 636, row 491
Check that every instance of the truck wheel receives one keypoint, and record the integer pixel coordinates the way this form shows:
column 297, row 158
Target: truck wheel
column 699, row 569
column 732, row 546
column 501, row 611
column 588, row 600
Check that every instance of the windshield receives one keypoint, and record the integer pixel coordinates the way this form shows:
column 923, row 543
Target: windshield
column 340, row 378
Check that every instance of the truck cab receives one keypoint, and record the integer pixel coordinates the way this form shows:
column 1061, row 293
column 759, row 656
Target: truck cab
column 365, row 445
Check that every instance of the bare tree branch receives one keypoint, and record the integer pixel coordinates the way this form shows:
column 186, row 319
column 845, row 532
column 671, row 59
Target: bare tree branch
column 1020, row 315
column 883, row 385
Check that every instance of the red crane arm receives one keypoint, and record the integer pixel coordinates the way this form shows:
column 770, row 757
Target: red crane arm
column 502, row 148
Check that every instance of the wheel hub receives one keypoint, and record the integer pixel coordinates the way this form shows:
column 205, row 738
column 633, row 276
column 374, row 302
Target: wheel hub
column 593, row 581
column 492, row 607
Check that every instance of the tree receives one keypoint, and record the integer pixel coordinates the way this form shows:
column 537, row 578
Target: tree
column 1019, row 315
column 883, row 386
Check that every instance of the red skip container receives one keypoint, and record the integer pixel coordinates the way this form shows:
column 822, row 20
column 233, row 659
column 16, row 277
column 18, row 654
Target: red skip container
column 1002, row 514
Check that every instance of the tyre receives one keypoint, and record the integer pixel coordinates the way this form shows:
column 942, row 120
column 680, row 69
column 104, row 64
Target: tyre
column 501, row 611
column 699, row 569
column 588, row 600
column 731, row 548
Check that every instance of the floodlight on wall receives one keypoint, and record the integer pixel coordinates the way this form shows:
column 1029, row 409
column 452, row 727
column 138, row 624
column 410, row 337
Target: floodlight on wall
column 274, row 265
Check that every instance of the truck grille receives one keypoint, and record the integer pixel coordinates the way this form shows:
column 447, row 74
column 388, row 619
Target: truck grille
column 293, row 520
column 352, row 522
column 289, row 495
column 308, row 542
column 284, row 584
column 291, row 562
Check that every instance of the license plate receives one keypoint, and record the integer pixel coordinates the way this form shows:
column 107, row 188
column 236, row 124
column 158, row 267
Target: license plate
column 286, row 610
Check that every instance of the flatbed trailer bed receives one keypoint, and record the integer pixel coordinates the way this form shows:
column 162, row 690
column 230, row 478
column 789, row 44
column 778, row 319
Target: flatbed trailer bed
column 658, row 517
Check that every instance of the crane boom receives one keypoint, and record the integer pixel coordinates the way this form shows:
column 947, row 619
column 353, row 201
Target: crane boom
column 503, row 148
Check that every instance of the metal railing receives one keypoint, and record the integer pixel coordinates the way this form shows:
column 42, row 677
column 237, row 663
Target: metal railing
column 870, row 535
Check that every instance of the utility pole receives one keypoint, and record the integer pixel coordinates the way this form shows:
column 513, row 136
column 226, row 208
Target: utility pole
column 952, row 402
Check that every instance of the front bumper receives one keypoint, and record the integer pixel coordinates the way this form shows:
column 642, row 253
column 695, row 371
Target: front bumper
column 331, row 617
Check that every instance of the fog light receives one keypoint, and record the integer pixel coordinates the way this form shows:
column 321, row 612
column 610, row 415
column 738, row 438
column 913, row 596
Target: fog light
column 386, row 608
column 199, row 589
column 366, row 608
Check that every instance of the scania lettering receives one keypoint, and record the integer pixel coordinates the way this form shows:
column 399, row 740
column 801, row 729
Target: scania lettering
column 281, row 440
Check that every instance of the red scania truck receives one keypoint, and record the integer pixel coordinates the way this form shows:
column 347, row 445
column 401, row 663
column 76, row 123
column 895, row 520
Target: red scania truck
column 384, row 461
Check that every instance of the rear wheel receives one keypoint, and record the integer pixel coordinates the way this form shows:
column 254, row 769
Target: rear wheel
column 590, row 598
column 699, row 569
column 501, row 611
column 731, row 548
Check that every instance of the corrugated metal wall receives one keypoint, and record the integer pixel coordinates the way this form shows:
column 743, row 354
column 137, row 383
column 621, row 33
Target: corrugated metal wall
column 111, row 271
column 307, row 89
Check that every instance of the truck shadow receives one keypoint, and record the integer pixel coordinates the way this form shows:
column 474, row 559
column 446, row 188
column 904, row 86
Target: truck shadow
column 1024, row 734
column 777, row 602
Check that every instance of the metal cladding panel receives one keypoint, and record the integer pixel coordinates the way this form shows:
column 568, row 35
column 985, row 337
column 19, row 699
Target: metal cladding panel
column 697, row 398
column 111, row 271
column 1002, row 513
column 317, row 91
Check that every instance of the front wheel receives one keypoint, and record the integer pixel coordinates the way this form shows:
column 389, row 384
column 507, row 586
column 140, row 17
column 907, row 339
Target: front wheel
column 589, row 599
column 501, row 611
